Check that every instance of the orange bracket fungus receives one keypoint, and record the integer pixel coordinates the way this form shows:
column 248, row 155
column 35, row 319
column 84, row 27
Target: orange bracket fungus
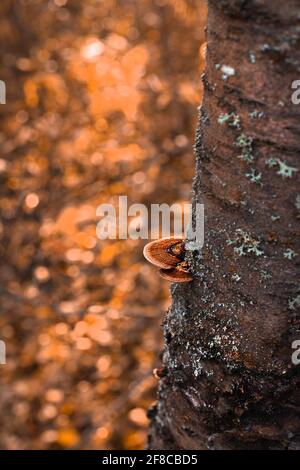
column 168, row 254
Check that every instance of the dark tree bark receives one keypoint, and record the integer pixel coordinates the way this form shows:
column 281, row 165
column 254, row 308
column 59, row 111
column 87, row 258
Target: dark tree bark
column 230, row 382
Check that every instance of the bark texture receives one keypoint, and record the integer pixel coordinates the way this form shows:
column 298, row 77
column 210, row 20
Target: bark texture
column 229, row 382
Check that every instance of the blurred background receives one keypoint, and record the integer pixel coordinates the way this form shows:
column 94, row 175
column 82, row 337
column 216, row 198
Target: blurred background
column 102, row 101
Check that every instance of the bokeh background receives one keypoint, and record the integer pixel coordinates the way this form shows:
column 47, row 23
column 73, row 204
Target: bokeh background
column 102, row 101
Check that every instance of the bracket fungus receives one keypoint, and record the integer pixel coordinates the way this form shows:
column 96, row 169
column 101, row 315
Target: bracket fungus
column 168, row 255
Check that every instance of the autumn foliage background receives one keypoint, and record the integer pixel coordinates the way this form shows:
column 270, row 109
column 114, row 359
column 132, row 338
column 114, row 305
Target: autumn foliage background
column 102, row 101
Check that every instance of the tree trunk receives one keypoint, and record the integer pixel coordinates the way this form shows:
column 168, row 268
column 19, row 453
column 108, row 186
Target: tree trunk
column 229, row 381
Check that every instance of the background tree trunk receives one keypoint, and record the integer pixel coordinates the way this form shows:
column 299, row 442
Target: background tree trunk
column 230, row 382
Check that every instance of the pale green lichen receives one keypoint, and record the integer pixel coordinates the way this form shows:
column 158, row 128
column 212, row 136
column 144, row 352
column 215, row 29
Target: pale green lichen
column 284, row 170
column 254, row 175
column 297, row 203
column 265, row 47
column 223, row 118
column 246, row 157
column 227, row 71
column 236, row 277
column 265, row 274
column 245, row 143
column 256, row 114
column 289, row 254
column 235, row 122
column 232, row 118
column 271, row 162
column 252, row 57
column 245, row 244
column 275, row 217
column 240, row 250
